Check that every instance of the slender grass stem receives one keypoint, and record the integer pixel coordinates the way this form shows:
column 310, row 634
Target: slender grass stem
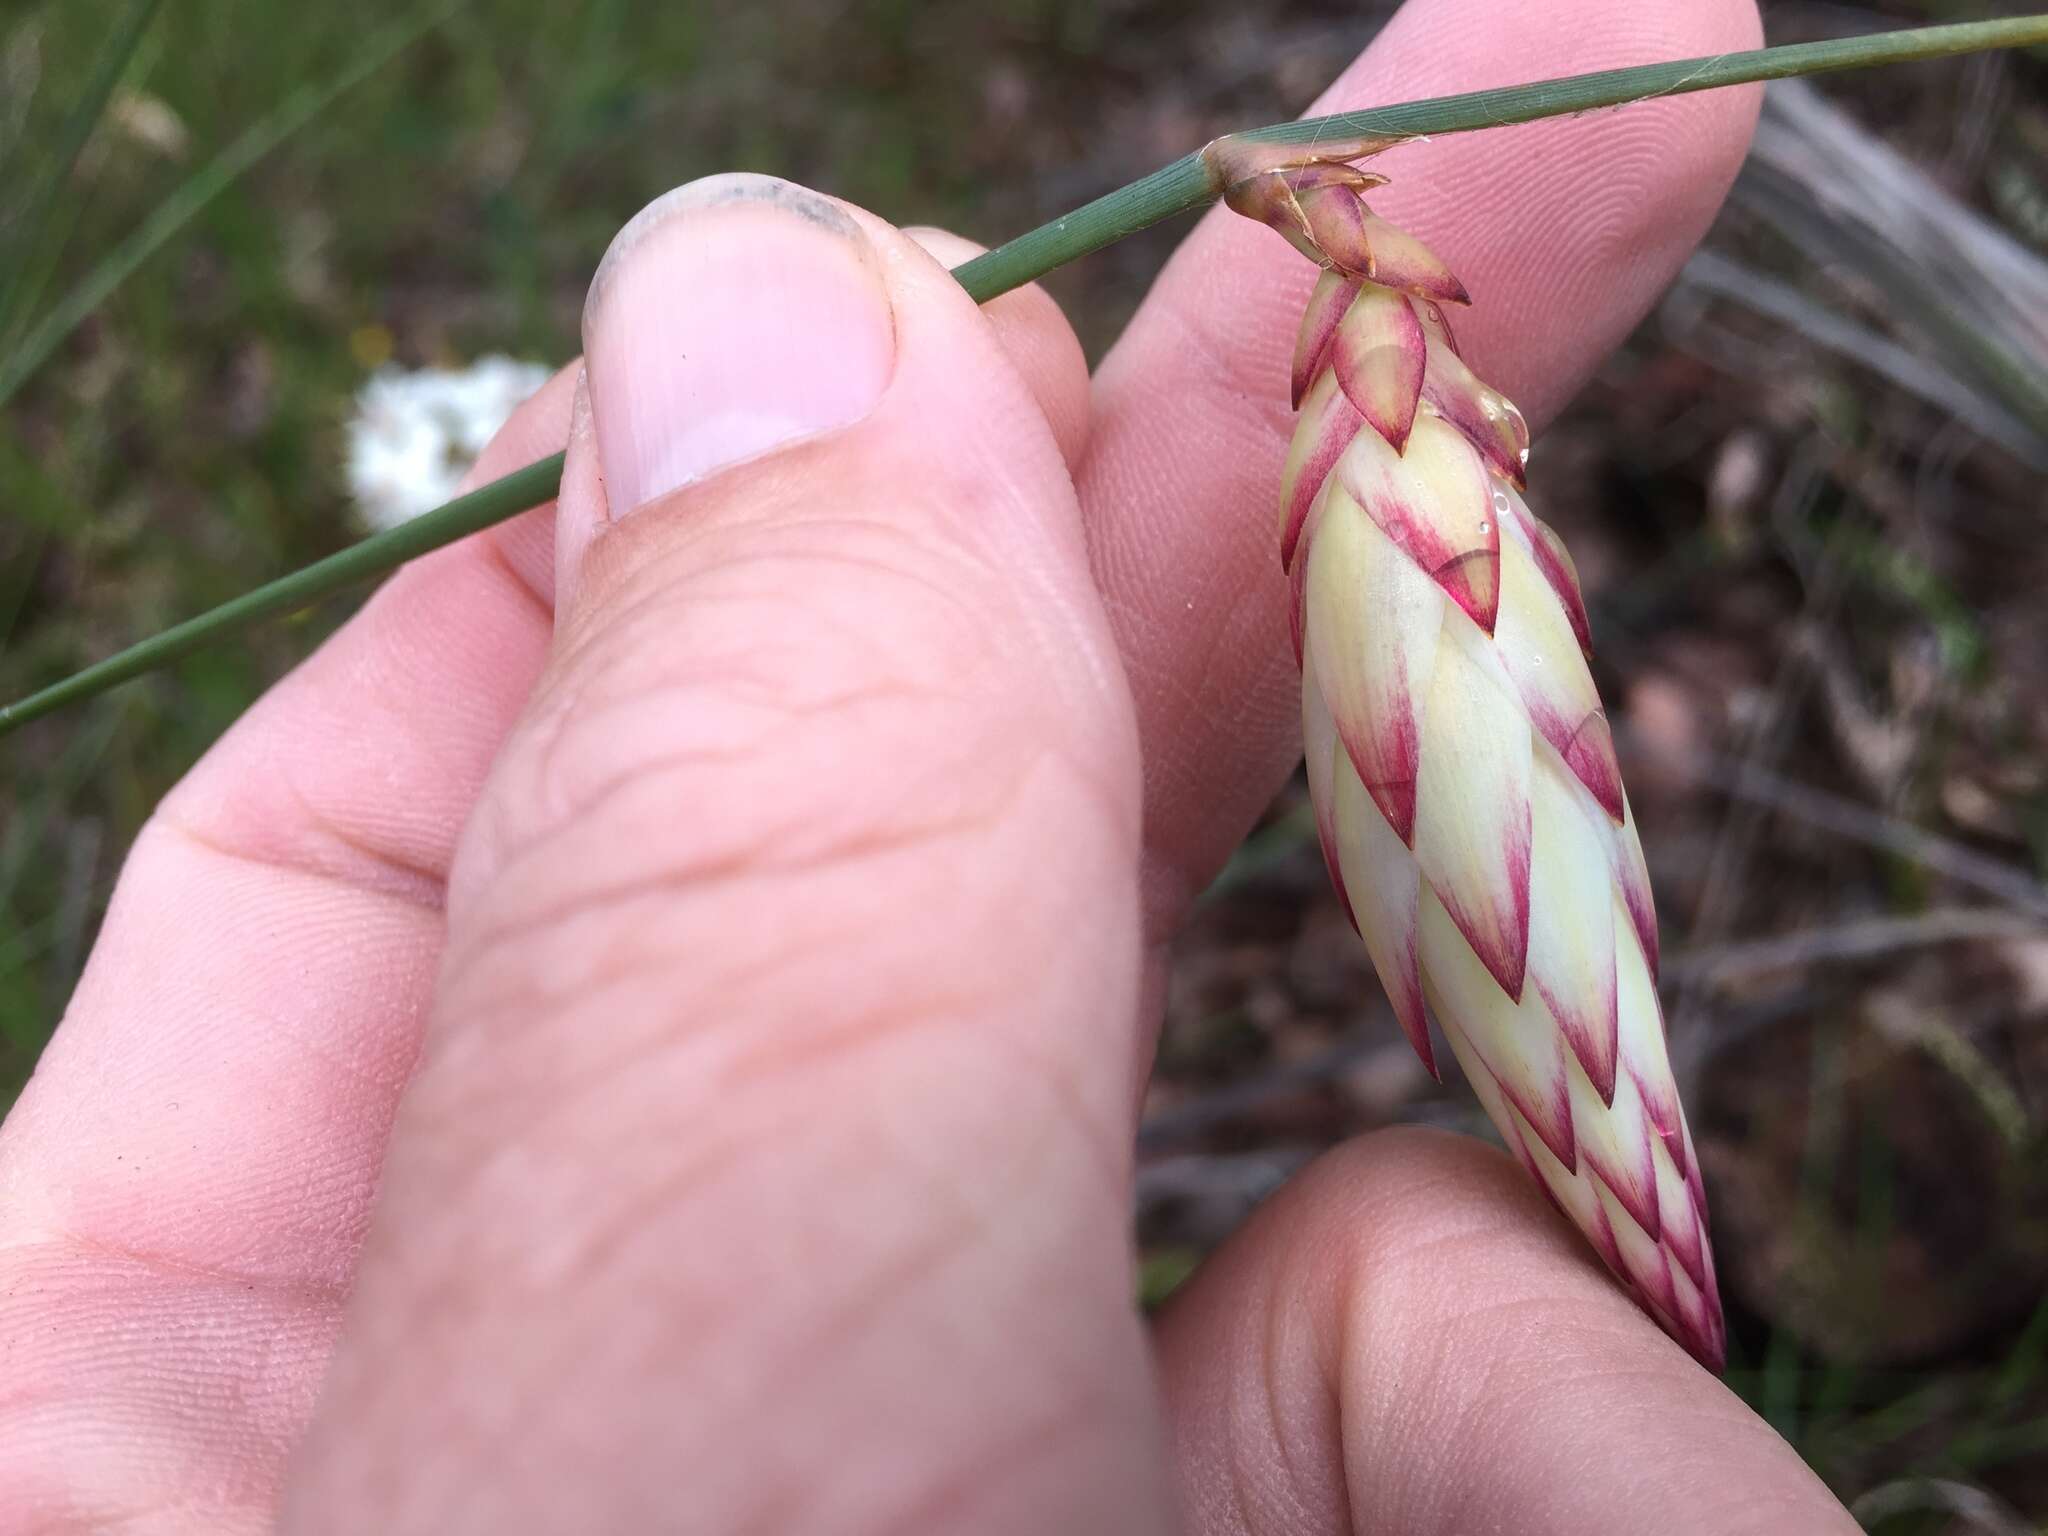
column 1186, row 183
column 493, row 503
column 1177, row 188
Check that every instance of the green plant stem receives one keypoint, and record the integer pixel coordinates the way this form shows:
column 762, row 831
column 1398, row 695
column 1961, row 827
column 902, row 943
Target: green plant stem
column 1186, row 184
column 493, row 503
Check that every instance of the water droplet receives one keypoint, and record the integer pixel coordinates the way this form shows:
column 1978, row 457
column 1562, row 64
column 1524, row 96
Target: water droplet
column 1485, row 526
column 1500, row 502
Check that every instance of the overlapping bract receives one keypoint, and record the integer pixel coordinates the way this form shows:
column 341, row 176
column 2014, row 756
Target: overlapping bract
column 1466, row 791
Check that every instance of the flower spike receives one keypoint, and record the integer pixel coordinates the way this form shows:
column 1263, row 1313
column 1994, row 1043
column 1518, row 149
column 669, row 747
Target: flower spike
column 1468, row 800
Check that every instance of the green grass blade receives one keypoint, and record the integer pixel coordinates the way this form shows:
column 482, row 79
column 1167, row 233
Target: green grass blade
column 1930, row 298
column 1186, row 184
column 114, row 59
column 298, row 109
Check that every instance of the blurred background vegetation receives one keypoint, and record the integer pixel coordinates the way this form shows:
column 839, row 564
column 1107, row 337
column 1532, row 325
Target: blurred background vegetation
column 1806, row 498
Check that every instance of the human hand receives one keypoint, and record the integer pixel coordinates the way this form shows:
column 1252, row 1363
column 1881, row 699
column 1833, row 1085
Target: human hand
column 761, row 907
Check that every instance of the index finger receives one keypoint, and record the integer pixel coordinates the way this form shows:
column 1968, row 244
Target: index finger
column 1565, row 231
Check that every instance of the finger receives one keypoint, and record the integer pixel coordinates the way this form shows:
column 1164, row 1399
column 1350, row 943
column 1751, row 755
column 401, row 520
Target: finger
column 189, row 1172
column 1564, row 231
column 794, row 936
column 1035, row 337
column 1406, row 1340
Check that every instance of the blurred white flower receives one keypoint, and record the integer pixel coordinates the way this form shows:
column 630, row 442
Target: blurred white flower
column 416, row 432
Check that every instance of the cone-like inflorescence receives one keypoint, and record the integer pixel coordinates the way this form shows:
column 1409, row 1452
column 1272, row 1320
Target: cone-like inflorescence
column 1466, row 791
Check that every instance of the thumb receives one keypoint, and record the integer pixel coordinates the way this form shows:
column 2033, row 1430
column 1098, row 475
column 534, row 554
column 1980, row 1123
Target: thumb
column 777, row 1093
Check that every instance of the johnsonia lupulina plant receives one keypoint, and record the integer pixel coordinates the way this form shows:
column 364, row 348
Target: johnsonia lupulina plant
column 1466, row 792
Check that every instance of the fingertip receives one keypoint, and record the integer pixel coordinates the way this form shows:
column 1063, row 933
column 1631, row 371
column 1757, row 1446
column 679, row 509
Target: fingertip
column 1407, row 1338
column 948, row 249
column 732, row 318
column 1034, row 334
column 741, row 326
